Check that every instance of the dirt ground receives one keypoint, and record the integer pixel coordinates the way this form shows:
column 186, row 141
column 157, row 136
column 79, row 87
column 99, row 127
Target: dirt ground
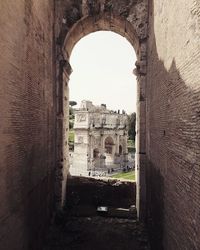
column 81, row 227
column 97, row 233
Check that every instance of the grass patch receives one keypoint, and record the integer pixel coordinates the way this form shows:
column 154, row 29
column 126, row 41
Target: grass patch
column 131, row 143
column 131, row 146
column 127, row 176
column 71, row 136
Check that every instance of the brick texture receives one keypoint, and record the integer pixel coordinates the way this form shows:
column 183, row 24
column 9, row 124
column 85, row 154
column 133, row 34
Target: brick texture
column 171, row 100
column 27, row 118
column 173, row 124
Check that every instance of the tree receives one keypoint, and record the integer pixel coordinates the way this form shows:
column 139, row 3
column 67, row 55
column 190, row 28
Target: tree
column 131, row 126
column 71, row 114
column 72, row 103
column 71, row 124
column 71, row 118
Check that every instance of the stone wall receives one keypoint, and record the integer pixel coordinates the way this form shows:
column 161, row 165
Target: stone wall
column 33, row 97
column 27, row 117
column 170, row 131
column 84, row 195
column 173, row 123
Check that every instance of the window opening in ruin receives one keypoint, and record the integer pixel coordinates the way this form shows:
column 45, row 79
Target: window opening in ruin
column 105, row 98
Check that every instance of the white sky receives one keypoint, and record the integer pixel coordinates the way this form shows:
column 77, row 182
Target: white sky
column 102, row 64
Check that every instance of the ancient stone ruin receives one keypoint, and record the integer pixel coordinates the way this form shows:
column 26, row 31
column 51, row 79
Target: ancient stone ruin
column 100, row 140
column 36, row 41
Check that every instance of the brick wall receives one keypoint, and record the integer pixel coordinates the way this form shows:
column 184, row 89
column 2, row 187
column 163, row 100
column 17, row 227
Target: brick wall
column 173, row 124
column 27, row 118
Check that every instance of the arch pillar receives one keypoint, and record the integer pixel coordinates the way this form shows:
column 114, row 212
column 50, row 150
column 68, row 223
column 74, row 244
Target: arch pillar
column 91, row 154
column 140, row 158
column 116, row 143
column 125, row 149
column 102, row 149
column 63, row 72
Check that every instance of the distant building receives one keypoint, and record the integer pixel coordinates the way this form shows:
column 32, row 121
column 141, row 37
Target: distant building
column 100, row 139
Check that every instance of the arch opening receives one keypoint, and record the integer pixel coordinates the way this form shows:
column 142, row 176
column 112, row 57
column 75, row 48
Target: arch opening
column 109, row 144
column 88, row 25
column 109, row 120
column 121, row 26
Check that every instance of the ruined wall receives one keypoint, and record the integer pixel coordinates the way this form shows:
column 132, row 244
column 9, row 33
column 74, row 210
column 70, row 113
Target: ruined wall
column 27, row 101
column 173, row 123
column 27, row 122
column 86, row 194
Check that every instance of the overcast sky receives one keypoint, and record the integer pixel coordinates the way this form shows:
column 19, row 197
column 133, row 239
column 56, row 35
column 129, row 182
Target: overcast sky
column 102, row 64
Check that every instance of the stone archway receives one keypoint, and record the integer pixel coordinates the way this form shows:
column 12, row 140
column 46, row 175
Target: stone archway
column 77, row 19
column 96, row 153
column 108, row 145
column 109, row 150
column 96, row 158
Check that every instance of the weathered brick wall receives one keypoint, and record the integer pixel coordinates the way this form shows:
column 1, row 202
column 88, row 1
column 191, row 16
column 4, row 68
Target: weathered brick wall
column 27, row 122
column 27, row 117
column 173, row 123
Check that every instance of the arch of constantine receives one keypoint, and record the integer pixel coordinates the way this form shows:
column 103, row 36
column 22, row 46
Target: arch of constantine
column 100, row 140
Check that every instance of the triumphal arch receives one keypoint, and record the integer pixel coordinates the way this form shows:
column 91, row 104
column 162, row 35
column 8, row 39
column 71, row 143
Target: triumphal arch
column 100, row 139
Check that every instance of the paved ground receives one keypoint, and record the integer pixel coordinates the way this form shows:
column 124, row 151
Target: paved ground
column 97, row 233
